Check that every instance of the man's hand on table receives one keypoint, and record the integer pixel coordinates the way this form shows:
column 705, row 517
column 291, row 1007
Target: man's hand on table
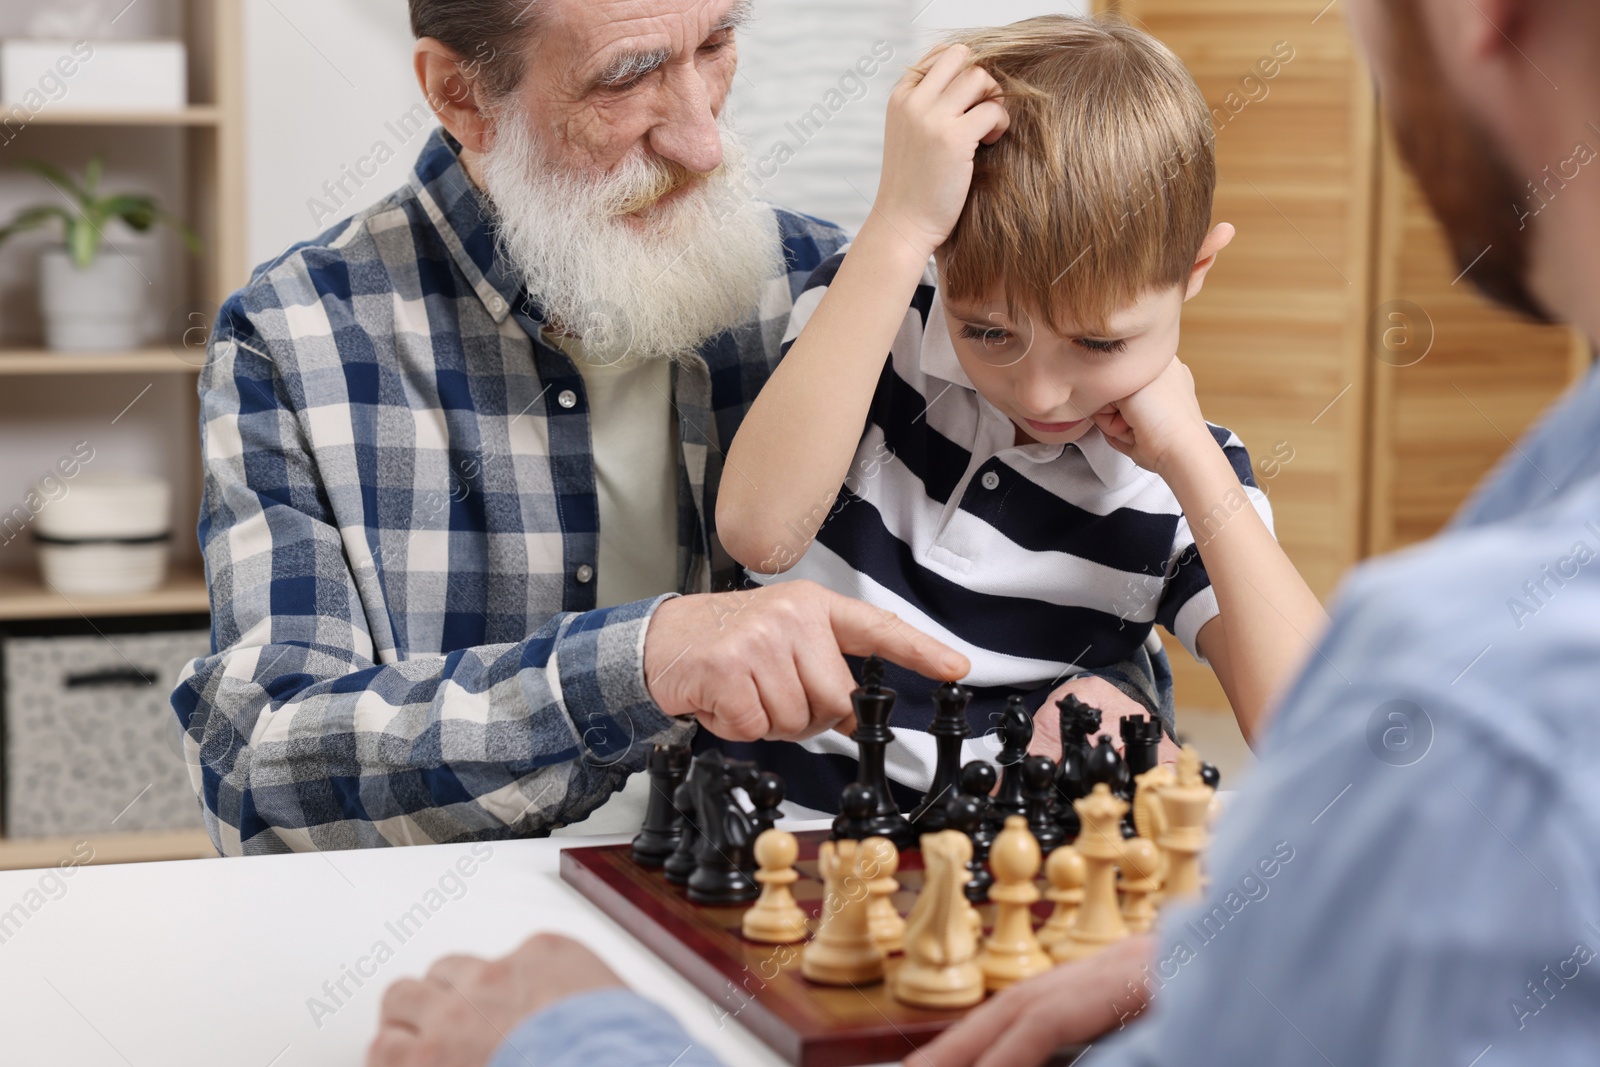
column 768, row 663
column 460, row 1013
column 1070, row 1005
column 1097, row 693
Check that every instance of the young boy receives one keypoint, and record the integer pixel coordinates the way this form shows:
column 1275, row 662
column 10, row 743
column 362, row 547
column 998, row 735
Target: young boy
column 1027, row 476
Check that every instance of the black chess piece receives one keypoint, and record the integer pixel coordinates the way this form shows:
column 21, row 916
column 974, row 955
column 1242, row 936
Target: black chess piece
column 855, row 813
column 1210, row 775
column 964, row 812
column 1039, row 783
column 872, row 702
column 949, row 729
column 1016, row 731
column 1141, row 752
column 663, row 826
column 680, row 865
column 978, row 779
column 1141, row 746
column 1079, row 722
column 719, row 876
column 766, row 793
column 1106, row 766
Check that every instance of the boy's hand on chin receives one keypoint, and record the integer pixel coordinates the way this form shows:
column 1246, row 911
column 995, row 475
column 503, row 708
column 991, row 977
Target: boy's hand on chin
column 1159, row 426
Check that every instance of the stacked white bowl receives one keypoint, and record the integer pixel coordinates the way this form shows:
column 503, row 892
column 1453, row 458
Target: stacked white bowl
column 110, row 534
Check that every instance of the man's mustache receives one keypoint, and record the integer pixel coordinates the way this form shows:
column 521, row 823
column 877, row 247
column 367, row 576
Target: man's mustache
column 663, row 178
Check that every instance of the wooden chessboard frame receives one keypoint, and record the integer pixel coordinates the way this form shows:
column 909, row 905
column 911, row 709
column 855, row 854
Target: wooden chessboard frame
column 760, row 986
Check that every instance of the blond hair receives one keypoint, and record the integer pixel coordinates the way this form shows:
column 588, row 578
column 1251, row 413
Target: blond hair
column 1100, row 190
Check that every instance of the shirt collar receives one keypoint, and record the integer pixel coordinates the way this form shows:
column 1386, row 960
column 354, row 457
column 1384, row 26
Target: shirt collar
column 1109, row 465
column 463, row 217
column 938, row 356
column 938, row 360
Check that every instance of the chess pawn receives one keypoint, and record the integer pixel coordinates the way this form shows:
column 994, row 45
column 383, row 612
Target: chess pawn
column 1016, row 732
column 775, row 918
column 842, row 952
column 1011, row 952
column 941, row 938
column 766, row 793
column 1067, row 873
column 1185, row 804
column 1099, row 919
column 978, row 779
column 1039, row 781
column 878, row 863
column 1141, row 883
column 965, row 813
column 855, row 812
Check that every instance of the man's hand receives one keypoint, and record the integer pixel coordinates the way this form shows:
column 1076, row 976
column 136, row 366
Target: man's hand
column 1097, row 693
column 935, row 122
column 461, row 1012
column 1069, row 1005
column 768, row 663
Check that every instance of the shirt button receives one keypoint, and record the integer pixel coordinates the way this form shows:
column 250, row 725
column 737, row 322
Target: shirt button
column 566, row 398
column 496, row 304
column 990, row 479
column 585, row 572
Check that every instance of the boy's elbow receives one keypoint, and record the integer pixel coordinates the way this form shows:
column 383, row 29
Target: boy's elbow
column 756, row 545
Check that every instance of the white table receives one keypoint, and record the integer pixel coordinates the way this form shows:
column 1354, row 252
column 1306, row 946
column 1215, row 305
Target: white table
column 212, row 963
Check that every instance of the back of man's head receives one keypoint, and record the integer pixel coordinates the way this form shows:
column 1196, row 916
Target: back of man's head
column 1100, row 190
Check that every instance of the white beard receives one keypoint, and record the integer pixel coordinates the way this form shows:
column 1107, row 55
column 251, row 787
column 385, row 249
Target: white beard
column 699, row 265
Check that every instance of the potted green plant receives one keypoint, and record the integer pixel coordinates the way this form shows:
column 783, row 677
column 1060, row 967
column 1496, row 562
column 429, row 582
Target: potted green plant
column 92, row 295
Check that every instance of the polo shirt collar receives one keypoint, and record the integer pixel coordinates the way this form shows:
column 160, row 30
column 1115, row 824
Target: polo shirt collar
column 938, row 359
column 464, row 219
column 938, row 355
column 1109, row 465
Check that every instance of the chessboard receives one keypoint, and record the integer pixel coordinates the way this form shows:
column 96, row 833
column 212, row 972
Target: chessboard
column 760, row 986
column 831, row 976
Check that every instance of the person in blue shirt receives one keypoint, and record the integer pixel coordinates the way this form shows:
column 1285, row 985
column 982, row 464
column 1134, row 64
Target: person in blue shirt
column 1411, row 875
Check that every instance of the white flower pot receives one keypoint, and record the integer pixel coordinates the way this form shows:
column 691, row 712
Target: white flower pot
column 104, row 306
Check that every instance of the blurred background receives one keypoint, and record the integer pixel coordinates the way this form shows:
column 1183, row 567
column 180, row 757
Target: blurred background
column 161, row 148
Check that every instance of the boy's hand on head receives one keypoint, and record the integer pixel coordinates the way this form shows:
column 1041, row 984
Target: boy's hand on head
column 935, row 123
column 1160, row 425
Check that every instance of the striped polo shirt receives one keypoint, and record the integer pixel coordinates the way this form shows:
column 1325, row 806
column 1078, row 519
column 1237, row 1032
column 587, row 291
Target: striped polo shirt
column 1038, row 561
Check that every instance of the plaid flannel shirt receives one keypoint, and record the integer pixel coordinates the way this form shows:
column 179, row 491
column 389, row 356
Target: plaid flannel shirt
column 399, row 496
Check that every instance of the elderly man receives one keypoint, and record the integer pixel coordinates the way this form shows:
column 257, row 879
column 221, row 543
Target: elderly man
column 1410, row 876
column 462, row 454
